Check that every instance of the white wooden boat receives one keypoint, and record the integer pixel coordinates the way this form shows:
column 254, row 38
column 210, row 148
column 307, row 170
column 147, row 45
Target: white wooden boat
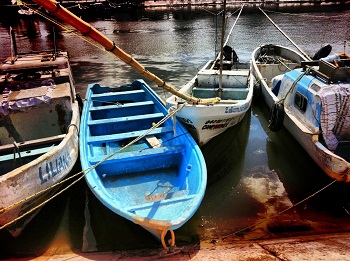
column 39, row 120
column 205, row 121
column 226, row 83
column 312, row 102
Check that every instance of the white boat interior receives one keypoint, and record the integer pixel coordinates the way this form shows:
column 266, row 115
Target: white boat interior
column 35, row 106
column 234, row 81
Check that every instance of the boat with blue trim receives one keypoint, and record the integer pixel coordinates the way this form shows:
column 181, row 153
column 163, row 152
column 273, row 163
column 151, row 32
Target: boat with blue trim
column 311, row 99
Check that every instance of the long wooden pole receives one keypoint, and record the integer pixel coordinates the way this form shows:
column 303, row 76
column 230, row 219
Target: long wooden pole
column 221, row 47
column 87, row 30
column 286, row 36
column 227, row 39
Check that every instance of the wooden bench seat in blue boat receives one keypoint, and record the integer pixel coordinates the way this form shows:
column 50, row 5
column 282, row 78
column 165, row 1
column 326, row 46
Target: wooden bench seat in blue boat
column 159, row 203
column 118, row 110
column 123, row 124
column 118, row 97
column 136, row 161
column 127, row 135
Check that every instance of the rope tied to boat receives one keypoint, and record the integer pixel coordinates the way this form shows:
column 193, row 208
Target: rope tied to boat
column 279, row 213
column 16, row 150
column 308, row 69
column 171, row 110
column 84, row 172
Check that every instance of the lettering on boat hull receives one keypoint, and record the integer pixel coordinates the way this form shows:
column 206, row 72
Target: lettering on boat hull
column 55, row 167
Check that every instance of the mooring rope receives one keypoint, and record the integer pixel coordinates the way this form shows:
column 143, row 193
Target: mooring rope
column 294, row 84
column 71, row 30
column 279, row 213
column 85, row 172
column 285, row 35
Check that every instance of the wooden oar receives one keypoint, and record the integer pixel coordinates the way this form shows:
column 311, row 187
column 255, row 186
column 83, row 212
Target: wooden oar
column 87, row 30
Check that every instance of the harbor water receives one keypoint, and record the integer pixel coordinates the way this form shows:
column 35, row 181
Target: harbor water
column 255, row 176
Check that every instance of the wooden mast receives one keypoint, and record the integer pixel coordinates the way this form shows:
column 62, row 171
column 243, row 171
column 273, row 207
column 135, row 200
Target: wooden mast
column 227, row 39
column 221, row 50
column 87, row 30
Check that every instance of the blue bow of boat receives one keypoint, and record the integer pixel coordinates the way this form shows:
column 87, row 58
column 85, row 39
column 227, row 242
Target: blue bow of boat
column 140, row 169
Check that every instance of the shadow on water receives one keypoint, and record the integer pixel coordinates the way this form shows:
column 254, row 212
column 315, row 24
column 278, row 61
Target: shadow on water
column 224, row 156
column 253, row 173
column 319, row 211
column 43, row 233
column 38, row 235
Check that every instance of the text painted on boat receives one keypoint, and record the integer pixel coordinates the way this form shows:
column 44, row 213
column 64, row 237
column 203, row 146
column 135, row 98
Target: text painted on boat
column 54, row 167
column 232, row 109
column 219, row 124
column 188, row 123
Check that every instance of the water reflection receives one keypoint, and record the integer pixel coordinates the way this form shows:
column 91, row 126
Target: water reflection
column 224, row 157
column 252, row 173
column 299, row 178
column 39, row 234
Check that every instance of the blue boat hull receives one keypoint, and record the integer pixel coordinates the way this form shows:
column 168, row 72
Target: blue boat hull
column 158, row 181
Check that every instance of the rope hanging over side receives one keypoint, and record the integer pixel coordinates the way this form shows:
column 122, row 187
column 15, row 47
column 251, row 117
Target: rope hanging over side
column 84, row 172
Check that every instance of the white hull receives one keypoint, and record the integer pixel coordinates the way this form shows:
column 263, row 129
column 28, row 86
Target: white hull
column 38, row 133
column 36, row 176
column 333, row 165
column 205, row 121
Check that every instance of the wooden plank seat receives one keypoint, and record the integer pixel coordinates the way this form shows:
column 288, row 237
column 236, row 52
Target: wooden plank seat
column 127, row 135
column 227, row 93
column 30, row 148
column 115, row 110
column 123, row 124
column 136, row 161
column 118, row 97
column 26, row 153
column 8, row 148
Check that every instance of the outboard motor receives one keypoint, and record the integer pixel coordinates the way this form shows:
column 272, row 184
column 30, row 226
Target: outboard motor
column 323, row 52
column 229, row 54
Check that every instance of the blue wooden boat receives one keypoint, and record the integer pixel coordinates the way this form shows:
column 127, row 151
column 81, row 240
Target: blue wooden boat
column 157, row 181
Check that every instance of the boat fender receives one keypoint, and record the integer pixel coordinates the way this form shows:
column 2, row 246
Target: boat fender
column 276, row 117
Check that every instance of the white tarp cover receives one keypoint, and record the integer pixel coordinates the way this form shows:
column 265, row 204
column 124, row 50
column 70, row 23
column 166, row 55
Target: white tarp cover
column 335, row 113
